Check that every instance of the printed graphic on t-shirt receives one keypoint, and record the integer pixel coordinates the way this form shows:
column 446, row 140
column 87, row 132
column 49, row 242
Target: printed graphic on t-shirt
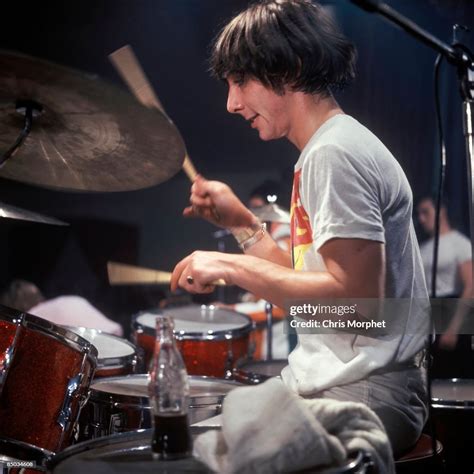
column 301, row 234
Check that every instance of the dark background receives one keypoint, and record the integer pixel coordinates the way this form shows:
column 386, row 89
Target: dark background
column 392, row 95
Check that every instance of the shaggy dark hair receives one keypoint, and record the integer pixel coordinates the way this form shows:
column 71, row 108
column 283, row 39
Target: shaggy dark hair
column 284, row 43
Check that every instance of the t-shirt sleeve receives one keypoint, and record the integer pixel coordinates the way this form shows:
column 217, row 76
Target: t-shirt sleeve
column 341, row 197
column 463, row 249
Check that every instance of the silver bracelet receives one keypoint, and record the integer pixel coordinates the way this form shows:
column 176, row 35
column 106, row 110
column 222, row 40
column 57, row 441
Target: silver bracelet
column 253, row 239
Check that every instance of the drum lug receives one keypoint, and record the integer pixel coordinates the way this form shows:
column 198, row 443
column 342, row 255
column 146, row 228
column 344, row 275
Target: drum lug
column 65, row 414
column 229, row 363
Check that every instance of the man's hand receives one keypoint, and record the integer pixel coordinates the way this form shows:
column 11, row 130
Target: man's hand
column 216, row 202
column 198, row 272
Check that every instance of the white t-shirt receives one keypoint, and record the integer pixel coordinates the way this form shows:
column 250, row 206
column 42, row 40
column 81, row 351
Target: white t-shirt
column 454, row 250
column 348, row 185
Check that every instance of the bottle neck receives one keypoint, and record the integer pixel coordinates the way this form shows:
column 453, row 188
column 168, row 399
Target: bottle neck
column 164, row 329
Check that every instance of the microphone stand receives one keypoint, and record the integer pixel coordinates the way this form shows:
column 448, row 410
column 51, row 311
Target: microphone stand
column 457, row 55
column 462, row 58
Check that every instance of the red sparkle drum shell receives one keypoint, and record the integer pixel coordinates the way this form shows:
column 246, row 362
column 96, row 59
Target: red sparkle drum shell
column 45, row 373
column 211, row 339
column 116, row 356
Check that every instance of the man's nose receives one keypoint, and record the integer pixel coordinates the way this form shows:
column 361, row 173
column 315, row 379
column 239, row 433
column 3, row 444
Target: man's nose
column 234, row 103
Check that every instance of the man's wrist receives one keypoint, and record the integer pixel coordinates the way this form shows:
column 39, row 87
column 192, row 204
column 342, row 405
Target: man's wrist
column 249, row 235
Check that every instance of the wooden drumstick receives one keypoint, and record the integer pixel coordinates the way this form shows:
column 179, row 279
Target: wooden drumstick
column 124, row 274
column 130, row 70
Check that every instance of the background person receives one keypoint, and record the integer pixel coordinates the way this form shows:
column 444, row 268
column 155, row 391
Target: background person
column 68, row 310
column 453, row 280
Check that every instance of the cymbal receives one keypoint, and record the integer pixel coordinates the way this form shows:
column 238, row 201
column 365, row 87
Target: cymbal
column 12, row 212
column 272, row 213
column 124, row 274
column 89, row 136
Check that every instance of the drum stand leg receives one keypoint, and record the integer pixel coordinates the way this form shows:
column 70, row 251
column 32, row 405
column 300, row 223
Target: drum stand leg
column 229, row 363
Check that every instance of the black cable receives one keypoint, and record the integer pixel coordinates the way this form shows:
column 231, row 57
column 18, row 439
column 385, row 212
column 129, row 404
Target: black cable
column 442, row 175
column 23, row 134
column 434, row 270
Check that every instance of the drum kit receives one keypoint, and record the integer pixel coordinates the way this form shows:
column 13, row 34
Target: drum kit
column 66, row 130
column 63, row 385
column 59, row 386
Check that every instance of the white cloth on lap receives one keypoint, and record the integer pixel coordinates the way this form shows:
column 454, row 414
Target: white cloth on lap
column 269, row 429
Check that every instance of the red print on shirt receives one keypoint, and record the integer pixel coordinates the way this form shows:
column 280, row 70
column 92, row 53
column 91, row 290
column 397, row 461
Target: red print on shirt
column 301, row 233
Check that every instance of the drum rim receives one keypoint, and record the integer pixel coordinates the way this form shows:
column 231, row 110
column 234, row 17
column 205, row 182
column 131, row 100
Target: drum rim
column 143, row 401
column 144, row 436
column 50, row 329
column 112, row 440
column 34, row 453
column 235, row 333
column 450, row 403
column 110, row 362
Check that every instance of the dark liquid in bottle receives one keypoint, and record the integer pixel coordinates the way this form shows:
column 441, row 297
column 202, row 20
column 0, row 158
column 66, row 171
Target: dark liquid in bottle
column 172, row 437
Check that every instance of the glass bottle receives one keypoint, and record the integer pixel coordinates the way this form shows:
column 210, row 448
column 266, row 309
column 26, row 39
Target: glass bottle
column 169, row 396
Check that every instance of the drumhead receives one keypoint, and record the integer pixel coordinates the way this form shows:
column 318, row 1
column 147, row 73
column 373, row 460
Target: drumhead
column 452, row 393
column 108, row 346
column 200, row 320
column 202, row 389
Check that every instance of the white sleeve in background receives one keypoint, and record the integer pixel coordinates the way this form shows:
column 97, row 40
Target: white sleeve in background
column 75, row 311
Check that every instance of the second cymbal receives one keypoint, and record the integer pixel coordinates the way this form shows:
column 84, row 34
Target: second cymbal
column 13, row 212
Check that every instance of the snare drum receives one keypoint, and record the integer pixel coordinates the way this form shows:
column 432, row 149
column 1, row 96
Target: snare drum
column 210, row 339
column 119, row 404
column 452, row 401
column 45, row 372
column 252, row 372
column 117, row 356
